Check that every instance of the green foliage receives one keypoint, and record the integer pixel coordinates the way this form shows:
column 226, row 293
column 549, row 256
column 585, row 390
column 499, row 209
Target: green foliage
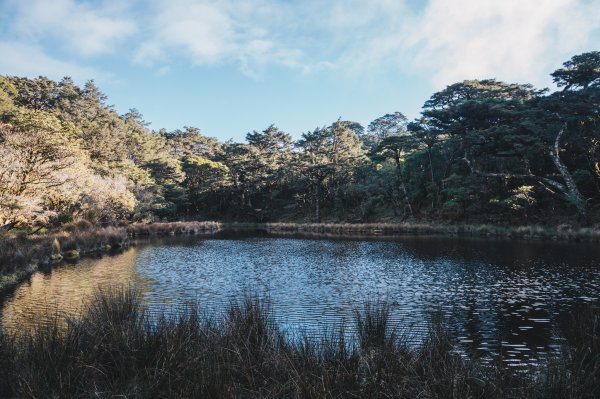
column 388, row 125
column 7, row 93
column 581, row 71
column 482, row 149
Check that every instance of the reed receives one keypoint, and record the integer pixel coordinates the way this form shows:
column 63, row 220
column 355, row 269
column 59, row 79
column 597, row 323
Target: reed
column 117, row 348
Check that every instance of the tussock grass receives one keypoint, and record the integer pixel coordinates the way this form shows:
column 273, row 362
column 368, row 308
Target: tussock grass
column 117, row 349
column 174, row 228
column 372, row 325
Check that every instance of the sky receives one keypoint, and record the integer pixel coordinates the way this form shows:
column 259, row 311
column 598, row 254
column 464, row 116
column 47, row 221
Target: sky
column 229, row 67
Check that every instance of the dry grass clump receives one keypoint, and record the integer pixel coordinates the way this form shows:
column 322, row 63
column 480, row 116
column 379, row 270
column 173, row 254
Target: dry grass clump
column 174, row 228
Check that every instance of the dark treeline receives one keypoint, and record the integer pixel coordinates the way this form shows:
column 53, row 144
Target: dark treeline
column 482, row 150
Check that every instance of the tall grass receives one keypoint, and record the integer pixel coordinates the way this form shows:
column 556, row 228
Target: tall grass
column 582, row 352
column 116, row 348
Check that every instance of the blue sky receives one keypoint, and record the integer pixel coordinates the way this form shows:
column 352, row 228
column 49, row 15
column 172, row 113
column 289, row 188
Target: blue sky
column 233, row 66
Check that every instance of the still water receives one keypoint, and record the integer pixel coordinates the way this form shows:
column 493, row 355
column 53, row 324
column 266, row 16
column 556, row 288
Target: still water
column 499, row 296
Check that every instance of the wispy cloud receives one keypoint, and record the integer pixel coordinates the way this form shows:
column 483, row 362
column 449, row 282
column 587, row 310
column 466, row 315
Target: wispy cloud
column 508, row 39
column 210, row 32
column 23, row 59
column 82, row 28
column 514, row 40
column 449, row 41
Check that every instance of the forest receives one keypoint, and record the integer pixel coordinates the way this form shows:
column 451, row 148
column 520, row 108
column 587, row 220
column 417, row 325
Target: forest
column 481, row 150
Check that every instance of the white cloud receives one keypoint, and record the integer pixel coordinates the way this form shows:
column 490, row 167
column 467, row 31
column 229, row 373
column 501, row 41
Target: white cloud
column 449, row 41
column 507, row 39
column 22, row 59
column 84, row 28
column 204, row 30
column 212, row 32
column 514, row 40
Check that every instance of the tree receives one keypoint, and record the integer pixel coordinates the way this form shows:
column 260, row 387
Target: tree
column 7, row 92
column 385, row 126
column 190, row 141
column 37, row 151
column 468, row 120
column 205, row 181
column 315, row 164
column 396, row 148
column 480, row 147
column 575, row 119
column 39, row 94
column 271, row 140
column 331, row 156
column 242, row 167
column 428, row 137
column 506, row 131
column 271, row 167
column 108, row 200
column 580, row 72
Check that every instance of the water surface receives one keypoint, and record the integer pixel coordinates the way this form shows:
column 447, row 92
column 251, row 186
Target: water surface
column 499, row 296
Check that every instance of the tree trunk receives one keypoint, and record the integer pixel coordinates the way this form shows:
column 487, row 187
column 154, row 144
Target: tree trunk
column 317, row 203
column 572, row 192
column 405, row 191
column 569, row 189
column 433, row 200
column 430, row 165
column 402, row 185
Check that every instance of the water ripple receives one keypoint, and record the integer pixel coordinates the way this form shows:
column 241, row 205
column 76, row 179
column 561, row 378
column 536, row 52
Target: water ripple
column 499, row 296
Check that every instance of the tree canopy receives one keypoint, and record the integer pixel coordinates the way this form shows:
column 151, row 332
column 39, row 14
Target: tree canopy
column 481, row 150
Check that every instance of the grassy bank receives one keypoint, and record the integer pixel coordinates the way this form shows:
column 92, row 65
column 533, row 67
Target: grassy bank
column 562, row 232
column 116, row 349
column 20, row 255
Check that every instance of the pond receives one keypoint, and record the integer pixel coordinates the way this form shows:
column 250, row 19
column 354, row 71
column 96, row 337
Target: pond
column 498, row 296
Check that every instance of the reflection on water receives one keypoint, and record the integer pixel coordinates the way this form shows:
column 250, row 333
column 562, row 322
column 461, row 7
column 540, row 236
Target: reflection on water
column 500, row 296
column 64, row 290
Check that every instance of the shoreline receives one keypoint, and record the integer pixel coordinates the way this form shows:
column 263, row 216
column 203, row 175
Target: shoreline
column 20, row 257
column 23, row 256
column 527, row 232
